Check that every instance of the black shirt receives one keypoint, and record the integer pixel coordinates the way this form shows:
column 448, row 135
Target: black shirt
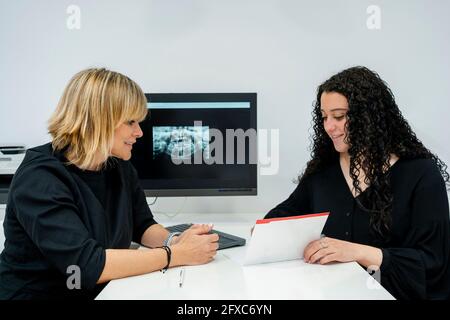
column 58, row 216
column 416, row 260
column 98, row 182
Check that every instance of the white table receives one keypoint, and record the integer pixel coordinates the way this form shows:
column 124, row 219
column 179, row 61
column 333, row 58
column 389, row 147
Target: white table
column 226, row 278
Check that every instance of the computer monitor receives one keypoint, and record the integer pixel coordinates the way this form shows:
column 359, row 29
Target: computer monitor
column 198, row 144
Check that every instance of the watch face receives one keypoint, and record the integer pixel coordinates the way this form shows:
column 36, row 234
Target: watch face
column 170, row 237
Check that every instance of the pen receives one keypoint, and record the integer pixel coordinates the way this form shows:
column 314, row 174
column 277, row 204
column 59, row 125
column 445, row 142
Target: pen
column 181, row 277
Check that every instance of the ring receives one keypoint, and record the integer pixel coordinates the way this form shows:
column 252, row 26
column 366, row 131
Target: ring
column 322, row 244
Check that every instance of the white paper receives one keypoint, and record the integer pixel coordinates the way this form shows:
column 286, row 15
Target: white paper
column 283, row 239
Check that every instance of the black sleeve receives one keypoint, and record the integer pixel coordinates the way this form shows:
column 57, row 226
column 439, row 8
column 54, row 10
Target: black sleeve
column 46, row 209
column 296, row 204
column 420, row 268
column 142, row 216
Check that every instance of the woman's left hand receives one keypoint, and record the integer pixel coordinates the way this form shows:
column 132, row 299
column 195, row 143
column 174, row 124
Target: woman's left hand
column 326, row 250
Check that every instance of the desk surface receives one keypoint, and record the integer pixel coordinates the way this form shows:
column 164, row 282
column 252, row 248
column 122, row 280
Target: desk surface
column 227, row 278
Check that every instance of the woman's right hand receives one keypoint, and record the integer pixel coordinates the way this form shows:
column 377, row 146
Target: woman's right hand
column 195, row 246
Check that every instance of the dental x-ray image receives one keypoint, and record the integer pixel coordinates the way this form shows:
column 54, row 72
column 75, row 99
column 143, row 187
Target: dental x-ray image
column 180, row 142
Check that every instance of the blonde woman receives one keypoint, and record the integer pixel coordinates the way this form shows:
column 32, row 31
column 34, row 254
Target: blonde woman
column 75, row 204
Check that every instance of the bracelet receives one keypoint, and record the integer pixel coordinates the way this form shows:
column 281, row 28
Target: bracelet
column 169, row 255
column 169, row 239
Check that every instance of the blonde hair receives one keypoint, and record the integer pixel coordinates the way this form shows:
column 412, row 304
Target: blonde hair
column 94, row 103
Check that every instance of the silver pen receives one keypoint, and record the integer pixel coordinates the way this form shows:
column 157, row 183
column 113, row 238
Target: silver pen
column 180, row 283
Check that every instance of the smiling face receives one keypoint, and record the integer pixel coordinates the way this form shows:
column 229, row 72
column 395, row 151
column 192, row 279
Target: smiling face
column 334, row 108
column 125, row 136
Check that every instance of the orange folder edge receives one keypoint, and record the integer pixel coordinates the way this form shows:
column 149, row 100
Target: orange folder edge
column 261, row 221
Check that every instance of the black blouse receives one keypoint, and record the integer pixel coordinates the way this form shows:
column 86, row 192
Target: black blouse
column 58, row 216
column 416, row 260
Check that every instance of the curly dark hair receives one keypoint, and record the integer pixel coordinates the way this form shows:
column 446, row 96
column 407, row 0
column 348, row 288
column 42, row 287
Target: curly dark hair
column 375, row 130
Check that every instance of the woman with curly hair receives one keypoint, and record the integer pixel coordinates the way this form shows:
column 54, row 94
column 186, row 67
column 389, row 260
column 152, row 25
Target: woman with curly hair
column 385, row 191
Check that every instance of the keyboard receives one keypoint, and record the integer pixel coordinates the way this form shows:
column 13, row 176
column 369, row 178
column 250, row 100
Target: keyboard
column 226, row 240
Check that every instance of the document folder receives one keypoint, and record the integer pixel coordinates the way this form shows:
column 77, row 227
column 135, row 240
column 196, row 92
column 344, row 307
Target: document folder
column 282, row 239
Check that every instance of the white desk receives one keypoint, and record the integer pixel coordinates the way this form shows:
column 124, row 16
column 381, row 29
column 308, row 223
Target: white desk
column 226, row 278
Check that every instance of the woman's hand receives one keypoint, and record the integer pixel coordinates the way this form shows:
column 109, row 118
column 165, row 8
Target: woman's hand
column 195, row 246
column 326, row 250
column 194, row 226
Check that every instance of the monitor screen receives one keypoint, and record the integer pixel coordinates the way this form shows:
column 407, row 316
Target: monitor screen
column 198, row 144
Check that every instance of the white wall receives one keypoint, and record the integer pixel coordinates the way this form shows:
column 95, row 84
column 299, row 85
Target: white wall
column 280, row 49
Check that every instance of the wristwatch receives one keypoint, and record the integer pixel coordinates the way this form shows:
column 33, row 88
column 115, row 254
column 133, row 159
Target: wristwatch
column 169, row 239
